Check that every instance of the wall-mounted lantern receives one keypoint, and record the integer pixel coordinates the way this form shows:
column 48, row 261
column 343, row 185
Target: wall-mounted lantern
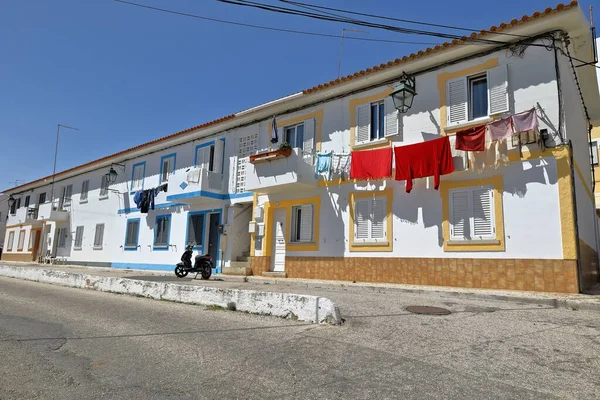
column 111, row 175
column 11, row 201
column 404, row 93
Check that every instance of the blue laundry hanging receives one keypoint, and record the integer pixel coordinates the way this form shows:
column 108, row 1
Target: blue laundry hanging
column 323, row 165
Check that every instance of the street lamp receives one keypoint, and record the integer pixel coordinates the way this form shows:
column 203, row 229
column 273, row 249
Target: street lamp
column 404, row 93
column 11, row 201
column 58, row 126
column 111, row 175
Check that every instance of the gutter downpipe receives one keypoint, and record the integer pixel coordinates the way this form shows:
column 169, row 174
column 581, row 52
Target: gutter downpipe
column 575, row 217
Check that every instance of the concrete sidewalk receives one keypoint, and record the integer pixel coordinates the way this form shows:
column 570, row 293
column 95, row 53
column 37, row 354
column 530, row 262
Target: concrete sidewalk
column 332, row 289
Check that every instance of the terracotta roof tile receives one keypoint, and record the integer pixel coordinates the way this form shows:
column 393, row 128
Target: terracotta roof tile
column 397, row 61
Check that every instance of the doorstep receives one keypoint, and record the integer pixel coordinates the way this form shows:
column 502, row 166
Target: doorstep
column 273, row 274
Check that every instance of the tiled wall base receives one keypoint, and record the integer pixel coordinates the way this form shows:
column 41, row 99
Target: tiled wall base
column 260, row 265
column 26, row 257
column 538, row 275
column 589, row 265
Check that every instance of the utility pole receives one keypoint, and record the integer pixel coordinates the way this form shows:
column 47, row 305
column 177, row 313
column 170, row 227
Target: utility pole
column 344, row 30
column 58, row 126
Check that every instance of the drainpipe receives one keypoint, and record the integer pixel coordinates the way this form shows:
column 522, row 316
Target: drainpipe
column 575, row 217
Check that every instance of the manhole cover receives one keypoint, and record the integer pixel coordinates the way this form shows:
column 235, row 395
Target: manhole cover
column 427, row 310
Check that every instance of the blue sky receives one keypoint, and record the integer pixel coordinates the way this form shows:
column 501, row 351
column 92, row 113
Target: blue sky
column 125, row 75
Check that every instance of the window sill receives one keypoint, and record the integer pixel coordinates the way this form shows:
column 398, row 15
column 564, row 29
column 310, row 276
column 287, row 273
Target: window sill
column 471, row 242
column 76, row 248
column 374, row 244
column 160, row 248
column 130, row 248
column 103, row 197
column 468, row 124
column 372, row 143
column 83, row 201
column 97, row 248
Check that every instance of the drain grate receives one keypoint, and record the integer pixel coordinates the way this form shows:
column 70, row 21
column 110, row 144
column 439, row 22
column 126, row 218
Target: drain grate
column 427, row 310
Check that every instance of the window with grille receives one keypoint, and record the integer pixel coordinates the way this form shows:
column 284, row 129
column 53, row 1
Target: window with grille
column 302, row 223
column 85, row 186
column 27, row 199
column 195, row 229
column 161, row 231
column 78, row 238
column 99, row 236
column 131, row 234
column 472, row 214
column 370, row 220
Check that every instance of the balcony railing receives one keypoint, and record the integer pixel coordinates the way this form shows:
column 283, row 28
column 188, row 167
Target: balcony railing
column 32, row 213
column 195, row 183
column 293, row 170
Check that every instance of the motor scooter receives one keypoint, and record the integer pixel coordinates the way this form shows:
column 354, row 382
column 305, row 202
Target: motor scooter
column 203, row 264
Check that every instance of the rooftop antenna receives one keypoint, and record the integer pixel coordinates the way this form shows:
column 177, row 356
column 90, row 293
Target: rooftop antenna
column 344, row 30
column 16, row 182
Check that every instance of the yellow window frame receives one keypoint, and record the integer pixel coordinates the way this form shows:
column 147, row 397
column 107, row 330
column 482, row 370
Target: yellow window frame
column 497, row 184
column 372, row 247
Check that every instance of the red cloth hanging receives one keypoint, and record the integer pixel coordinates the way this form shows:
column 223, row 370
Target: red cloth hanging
column 431, row 158
column 472, row 139
column 371, row 164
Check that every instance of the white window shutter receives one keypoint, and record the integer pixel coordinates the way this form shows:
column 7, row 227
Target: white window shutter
column 483, row 219
column 203, row 157
column 391, row 117
column 219, row 155
column 361, row 219
column 309, row 136
column 363, row 123
column 306, row 223
column 456, row 101
column 459, row 214
column 498, row 89
column 379, row 212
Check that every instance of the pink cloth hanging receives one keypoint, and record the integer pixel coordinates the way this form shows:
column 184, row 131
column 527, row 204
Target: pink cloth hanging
column 501, row 129
column 525, row 121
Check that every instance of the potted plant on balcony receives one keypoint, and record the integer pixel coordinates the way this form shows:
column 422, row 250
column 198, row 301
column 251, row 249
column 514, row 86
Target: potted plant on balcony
column 284, row 150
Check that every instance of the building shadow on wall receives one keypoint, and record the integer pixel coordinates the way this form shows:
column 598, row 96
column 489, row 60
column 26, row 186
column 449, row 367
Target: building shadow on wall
column 335, row 204
column 532, row 171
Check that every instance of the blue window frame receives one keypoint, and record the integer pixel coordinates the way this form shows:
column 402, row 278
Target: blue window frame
column 132, row 234
column 167, row 166
column 294, row 135
column 138, row 172
column 162, row 231
column 199, row 157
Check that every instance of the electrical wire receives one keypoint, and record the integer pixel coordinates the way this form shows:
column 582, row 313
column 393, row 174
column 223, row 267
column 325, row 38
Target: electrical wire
column 290, row 11
column 408, row 21
column 263, row 27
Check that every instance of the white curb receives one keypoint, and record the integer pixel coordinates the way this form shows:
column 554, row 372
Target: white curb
column 286, row 305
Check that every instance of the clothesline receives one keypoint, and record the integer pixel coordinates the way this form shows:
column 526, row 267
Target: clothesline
column 433, row 157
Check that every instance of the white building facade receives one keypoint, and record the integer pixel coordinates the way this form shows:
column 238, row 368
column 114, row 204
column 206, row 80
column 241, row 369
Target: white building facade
column 526, row 223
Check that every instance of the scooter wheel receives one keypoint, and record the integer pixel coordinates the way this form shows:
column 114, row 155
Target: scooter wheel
column 180, row 271
column 206, row 271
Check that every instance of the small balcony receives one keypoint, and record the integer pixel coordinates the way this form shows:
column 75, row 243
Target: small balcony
column 32, row 214
column 52, row 212
column 195, row 184
column 277, row 173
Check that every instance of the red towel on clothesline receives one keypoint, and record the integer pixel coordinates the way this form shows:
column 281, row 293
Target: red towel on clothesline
column 472, row 139
column 371, row 164
column 431, row 158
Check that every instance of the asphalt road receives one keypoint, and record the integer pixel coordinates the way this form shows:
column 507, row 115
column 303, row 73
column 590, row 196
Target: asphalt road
column 62, row 343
